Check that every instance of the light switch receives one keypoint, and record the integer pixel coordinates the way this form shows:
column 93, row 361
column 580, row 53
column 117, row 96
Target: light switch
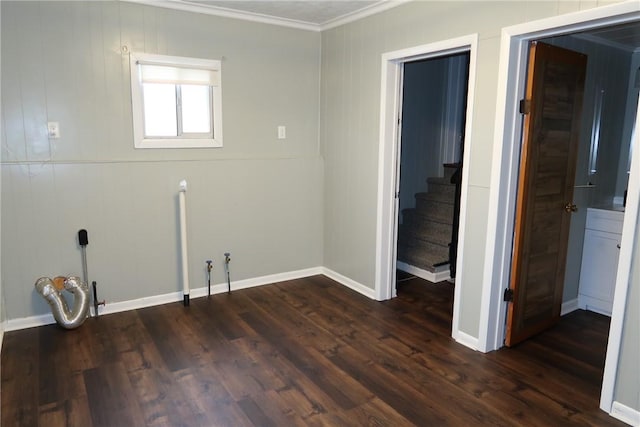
column 53, row 129
column 282, row 132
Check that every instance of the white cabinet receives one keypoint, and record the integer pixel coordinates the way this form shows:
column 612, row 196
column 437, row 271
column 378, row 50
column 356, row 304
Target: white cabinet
column 600, row 260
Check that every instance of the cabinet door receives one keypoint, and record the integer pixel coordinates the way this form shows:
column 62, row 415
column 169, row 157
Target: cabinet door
column 599, row 266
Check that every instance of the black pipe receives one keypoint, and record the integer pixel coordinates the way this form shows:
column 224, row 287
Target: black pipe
column 96, row 303
column 227, row 259
column 209, row 268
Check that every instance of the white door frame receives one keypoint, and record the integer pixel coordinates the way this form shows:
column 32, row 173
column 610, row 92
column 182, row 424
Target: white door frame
column 389, row 155
column 506, row 151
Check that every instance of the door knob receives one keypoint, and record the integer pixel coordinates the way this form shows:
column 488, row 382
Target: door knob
column 570, row 207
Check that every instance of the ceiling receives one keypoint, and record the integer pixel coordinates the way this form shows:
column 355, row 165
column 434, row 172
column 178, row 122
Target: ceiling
column 323, row 14
column 306, row 14
column 307, row 11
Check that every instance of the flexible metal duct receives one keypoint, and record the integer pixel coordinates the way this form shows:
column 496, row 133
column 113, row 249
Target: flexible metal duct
column 51, row 290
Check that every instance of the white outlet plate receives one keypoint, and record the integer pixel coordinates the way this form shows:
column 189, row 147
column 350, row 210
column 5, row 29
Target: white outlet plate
column 282, row 132
column 53, row 129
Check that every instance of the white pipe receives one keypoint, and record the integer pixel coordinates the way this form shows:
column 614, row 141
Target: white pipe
column 183, row 241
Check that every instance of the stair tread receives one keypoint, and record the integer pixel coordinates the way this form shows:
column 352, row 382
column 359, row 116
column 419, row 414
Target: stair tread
column 436, row 210
column 422, row 258
column 440, row 180
column 438, row 238
column 425, row 217
column 425, row 235
column 436, row 197
column 436, row 249
column 425, row 260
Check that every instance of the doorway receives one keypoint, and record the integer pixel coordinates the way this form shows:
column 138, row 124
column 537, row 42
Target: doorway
column 506, row 159
column 389, row 159
column 434, row 95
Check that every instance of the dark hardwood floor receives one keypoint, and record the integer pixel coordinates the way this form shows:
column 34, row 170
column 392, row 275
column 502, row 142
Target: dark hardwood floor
column 303, row 352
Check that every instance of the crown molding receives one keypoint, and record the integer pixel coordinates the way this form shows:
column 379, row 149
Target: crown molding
column 378, row 7
column 186, row 6
column 227, row 13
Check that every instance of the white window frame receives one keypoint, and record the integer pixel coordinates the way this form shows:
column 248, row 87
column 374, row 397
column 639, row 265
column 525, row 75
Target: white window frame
column 137, row 102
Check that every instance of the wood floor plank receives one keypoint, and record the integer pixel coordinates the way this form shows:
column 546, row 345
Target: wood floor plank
column 74, row 412
column 305, row 352
column 110, row 396
column 206, row 391
column 20, row 378
column 63, row 377
column 255, row 413
column 307, row 362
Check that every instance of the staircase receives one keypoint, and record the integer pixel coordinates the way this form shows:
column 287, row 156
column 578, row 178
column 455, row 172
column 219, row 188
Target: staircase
column 425, row 232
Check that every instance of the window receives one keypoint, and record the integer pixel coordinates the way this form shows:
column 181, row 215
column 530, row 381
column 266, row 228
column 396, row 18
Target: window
column 176, row 101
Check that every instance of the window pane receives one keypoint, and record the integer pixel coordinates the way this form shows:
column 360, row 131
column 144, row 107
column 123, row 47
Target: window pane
column 196, row 112
column 159, row 110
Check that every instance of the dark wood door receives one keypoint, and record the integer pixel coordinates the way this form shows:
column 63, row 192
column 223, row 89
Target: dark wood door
column 553, row 108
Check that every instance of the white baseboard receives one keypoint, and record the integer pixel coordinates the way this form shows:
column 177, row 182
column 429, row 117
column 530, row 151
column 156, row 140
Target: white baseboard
column 466, row 340
column 119, row 306
column 349, row 283
column 29, row 322
column 423, row 274
column 569, row 306
column 594, row 304
column 625, row 414
column 272, row 278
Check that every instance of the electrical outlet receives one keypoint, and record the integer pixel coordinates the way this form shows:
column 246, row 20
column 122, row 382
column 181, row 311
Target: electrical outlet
column 282, row 132
column 53, row 130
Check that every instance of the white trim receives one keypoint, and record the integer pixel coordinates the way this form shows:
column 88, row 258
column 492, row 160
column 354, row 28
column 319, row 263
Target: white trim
column 504, row 175
column 389, row 148
column 29, row 322
column 466, row 340
column 387, row 160
column 272, row 278
column 436, row 277
column 120, row 306
column 569, row 307
column 381, row 6
column 225, row 12
column 349, row 283
column 625, row 414
column 594, row 304
column 623, row 277
column 228, row 13
column 462, row 227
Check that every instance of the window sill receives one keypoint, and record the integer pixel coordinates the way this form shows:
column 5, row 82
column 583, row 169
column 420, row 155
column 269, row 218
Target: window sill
column 179, row 143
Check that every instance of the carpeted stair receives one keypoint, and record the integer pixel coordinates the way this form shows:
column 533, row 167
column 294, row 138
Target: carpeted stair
column 425, row 232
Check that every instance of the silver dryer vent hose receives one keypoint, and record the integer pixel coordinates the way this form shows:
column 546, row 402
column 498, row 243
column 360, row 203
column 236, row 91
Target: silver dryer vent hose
column 68, row 319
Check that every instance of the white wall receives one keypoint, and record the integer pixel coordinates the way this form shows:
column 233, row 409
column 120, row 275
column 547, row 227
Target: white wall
column 350, row 123
column 258, row 197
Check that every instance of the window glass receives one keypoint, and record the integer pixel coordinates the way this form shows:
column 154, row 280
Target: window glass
column 159, row 110
column 196, row 109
